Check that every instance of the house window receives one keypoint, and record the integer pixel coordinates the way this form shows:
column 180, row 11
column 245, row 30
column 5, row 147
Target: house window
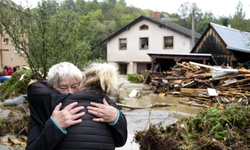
column 15, row 49
column 144, row 27
column 144, row 43
column 22, row 47
column 5, row 41
column 168, row 42
column 123, row 44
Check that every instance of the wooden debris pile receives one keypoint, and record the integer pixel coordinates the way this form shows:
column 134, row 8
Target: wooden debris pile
column 21, row 140
column 204, row 85
column 14, row 122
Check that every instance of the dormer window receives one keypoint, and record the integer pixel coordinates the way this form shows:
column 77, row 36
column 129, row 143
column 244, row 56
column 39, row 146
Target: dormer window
column 144, row 27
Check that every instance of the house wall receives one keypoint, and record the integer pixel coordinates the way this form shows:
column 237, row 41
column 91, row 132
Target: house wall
column 141, row 67
column 155, row 34
column 211, row 43
column 11, row 58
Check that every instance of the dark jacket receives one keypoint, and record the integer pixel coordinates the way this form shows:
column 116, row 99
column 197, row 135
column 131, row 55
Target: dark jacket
column 43, row 134
column 89, row 134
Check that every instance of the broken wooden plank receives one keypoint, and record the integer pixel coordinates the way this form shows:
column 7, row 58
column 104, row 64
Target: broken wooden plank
column 24, row 138
column 192, row 90
column 161, row 94
column 244, row 71
column 201, row 65
column 204, row 75
column 14, row 141
column 186, row 67
column 174, row 78
column 3, row 142
column 218, row 101
column 196, row 99
column 193, row 104
column 247, row 75
column 188, row 84
column 238, row 81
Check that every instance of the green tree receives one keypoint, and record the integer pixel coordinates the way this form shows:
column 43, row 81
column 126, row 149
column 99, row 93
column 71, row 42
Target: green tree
column 223, row 20
column 44, row 35
column 90, row 6
column 204, row 22
column 185, row 11
column 80, row 5
column 238, row 20
column 68, row 5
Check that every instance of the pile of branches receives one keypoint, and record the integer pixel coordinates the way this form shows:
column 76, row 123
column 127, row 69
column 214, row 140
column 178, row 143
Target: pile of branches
column 212, row 129
column 193, row 80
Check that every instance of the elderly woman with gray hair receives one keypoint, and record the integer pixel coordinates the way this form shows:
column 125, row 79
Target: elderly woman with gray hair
column 95, row 133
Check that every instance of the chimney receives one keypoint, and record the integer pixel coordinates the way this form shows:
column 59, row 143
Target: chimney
column 229, row 26
column 156, row 14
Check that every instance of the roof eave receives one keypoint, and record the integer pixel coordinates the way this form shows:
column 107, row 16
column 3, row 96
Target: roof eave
column 239, row 49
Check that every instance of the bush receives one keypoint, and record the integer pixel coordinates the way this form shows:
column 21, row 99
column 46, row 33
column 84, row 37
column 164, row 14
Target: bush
column 14, row 87
column 135, row 78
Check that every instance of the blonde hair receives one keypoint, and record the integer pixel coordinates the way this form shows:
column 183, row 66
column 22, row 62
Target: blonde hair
column 101, row 76
column 62, row 70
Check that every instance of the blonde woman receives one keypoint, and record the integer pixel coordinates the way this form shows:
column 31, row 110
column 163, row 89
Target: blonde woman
column 105, row 132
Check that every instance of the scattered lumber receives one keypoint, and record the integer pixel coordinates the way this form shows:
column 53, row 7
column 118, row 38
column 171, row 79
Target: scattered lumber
column 14, row 141
column 193, row 80
column 193, row 104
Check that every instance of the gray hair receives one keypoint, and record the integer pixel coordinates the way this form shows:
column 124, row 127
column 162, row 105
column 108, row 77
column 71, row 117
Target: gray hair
column 63, row 69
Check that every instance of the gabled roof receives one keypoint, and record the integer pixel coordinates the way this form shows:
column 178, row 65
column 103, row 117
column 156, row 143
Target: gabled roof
column 234, row 39
column 172, row 26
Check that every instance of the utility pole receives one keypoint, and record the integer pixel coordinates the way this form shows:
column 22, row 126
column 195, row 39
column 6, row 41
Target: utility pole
column 193, row 32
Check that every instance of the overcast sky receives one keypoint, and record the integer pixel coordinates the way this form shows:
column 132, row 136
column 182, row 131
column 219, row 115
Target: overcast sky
column 217, row 7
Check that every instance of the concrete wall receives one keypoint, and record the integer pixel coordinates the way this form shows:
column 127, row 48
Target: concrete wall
column 133, row 54
column 141, row 67
column 10, row 57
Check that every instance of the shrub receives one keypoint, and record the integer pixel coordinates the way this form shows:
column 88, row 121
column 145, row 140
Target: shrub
column 135, row 78
column 14, row 86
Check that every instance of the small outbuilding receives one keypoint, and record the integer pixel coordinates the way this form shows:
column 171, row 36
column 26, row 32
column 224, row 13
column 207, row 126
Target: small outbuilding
column 227, row 45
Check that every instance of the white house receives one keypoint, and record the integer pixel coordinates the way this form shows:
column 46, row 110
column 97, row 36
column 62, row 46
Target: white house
column 127, row 48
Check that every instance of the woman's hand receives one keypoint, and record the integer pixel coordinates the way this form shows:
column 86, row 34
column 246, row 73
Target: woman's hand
column 68, row 116
column 105, row 112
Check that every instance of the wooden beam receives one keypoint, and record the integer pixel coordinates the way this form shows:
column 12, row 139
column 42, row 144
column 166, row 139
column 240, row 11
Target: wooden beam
column 238, row 81
column 191, row 90
column 14, row 141
column 201, row 65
